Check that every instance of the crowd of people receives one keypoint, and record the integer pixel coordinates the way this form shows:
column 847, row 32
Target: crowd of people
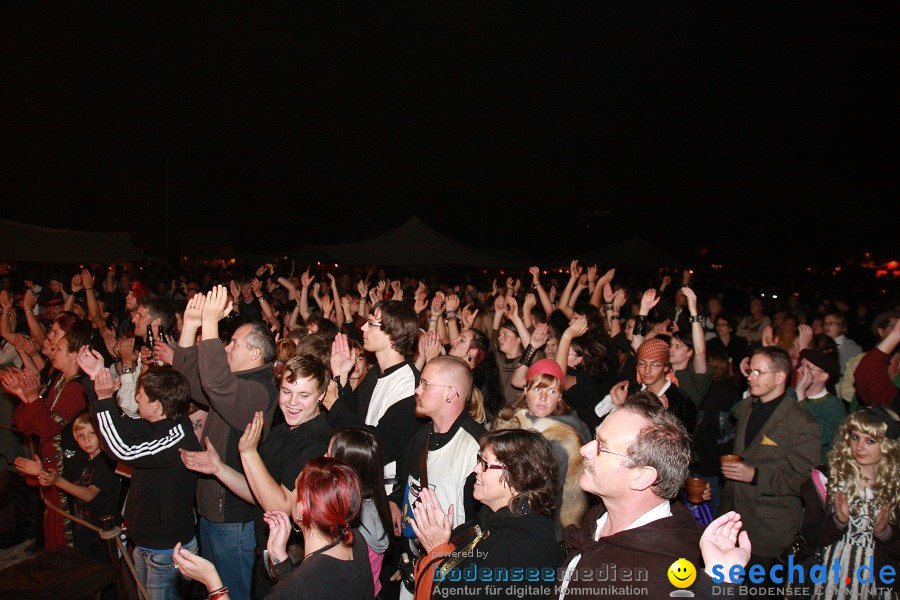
column 342, row 434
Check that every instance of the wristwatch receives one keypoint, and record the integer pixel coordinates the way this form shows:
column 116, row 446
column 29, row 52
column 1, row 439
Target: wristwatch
column 126, row 369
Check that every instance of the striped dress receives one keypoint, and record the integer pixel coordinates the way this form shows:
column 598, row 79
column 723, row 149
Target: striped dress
column 855, row 549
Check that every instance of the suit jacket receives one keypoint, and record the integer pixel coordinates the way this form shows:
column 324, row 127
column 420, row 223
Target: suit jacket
column 784, row 452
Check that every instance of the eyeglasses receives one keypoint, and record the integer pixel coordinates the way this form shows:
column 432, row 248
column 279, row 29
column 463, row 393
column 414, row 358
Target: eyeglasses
column 601, row 447
column 485, row 465
column 371, row 323
column 427, row 384
column 642, row 364
column 756, row 373
column 544, row 391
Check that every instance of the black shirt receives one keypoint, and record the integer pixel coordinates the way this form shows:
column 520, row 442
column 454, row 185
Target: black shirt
column 759, row 414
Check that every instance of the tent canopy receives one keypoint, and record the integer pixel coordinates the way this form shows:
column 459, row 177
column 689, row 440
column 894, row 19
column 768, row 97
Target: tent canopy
column 30, row 243
column 413, row 243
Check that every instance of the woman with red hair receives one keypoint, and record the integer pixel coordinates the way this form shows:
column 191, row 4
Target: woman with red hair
column 327, row 500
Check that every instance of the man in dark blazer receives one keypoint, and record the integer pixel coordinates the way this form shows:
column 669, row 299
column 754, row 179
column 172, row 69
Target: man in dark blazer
column 779, row 445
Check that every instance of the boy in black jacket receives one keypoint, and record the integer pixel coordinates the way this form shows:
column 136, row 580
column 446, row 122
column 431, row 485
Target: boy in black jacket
column 159, row 509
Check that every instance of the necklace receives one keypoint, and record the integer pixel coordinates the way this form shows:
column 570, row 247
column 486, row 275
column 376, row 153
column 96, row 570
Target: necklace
column 323, row 548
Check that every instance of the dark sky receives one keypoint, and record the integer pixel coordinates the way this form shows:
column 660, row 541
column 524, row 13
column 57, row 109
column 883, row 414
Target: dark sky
column 532, row 126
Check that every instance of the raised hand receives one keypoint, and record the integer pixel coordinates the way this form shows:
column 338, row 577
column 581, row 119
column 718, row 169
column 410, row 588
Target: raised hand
column 539, row 335
column 87, row 279
column 104, row 384
column 380, row 287
column 217, row 305
column 235, row 290
column 592, row 273
column 500, row 304
column 163, row 353
column 437, row 303
column 429, row 345
column 468, row 316
column 535, row 275
column 397, row 290
column 882, row 520
column 362, row 288
column 252, row 434
column 306, row 279
column 47, row 478
column 578, row 326
column 575, row 270
column 618, row 299
column 431, row 524
column 804, row 338
column 691, row 299
column 420, row 304
column 126, row 351
column 90, row 361
column 6, row 301
column 648, row 301
column 28, row 466
column 29, row 301
column 206, row 461
column 841, row 508
column 619, row 393
column 327, row 306
column 529, row 302
column 256, row 286
column 723, row 543
column 451, row 302
column 511, row 308
column 196, row 567
column 279, row 531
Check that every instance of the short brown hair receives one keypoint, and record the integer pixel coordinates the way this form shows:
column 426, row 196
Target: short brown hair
column 530, row 468
column 399, row 322
column 168, row 387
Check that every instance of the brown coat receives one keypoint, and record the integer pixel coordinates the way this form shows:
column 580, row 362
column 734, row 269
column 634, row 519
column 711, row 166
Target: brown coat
column 784, row 452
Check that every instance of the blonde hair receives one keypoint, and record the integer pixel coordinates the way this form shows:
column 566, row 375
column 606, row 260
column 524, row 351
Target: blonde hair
column 82, row 420
column 476, row 406
column 843, row 473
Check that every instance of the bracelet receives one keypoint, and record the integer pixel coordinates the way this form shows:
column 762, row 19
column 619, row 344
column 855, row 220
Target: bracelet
column 615, row 318
column 6, row 313
column 216, row 594
column 695, row 319
column 451, row 314
column 640, row 325
column 528, row 356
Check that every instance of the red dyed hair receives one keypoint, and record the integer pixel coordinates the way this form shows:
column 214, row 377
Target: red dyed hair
column 329, row 496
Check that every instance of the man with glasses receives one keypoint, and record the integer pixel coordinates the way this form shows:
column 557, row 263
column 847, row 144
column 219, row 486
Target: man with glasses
column 385, row 399
column 636, row 465
column 835, row 327
column 817, row 375
column 779, row 443
column 442, row 453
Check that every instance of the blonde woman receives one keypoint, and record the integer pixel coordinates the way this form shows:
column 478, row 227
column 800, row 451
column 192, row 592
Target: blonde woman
column 862, row 491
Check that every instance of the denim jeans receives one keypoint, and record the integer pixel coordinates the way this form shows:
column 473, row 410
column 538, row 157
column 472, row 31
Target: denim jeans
column 231, row 547
column 159, row 575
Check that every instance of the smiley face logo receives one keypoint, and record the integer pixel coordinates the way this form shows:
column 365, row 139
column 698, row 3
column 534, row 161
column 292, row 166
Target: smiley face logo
column 682, row 573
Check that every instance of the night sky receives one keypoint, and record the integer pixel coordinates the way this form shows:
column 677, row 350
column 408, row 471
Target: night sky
column 547, row 128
